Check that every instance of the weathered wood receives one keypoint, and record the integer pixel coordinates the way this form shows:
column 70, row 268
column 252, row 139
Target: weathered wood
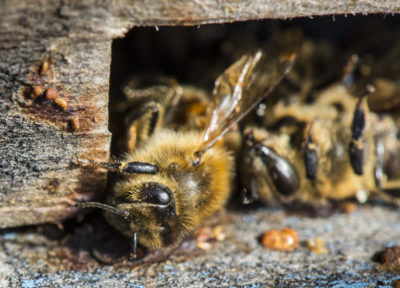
column 183, row 12
column 37, row 146
column 37, row 182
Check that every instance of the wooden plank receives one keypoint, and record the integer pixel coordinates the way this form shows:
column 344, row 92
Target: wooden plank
column 38, row 144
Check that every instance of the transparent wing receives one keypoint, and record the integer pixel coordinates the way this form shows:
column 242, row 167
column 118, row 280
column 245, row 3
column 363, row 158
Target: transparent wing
column 240, row 88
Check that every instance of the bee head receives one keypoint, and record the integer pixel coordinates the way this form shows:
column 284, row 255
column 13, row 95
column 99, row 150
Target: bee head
column 152, row 214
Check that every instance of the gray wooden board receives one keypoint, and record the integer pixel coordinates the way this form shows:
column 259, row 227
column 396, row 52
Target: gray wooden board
column 27, row 258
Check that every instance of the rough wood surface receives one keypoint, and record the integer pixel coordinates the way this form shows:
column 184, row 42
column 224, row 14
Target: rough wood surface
column 183, row 12
column 37, row 182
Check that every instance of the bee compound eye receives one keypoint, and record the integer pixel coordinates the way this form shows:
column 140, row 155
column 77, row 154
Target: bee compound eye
column 156, row 193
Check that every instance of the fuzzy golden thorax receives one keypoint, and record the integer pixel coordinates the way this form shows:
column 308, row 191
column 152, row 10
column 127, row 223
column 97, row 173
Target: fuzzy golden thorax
column 167, row 206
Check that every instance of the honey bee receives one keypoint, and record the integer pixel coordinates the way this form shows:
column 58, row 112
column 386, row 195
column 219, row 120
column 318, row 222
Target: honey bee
column 332, row 147
column 174, row 178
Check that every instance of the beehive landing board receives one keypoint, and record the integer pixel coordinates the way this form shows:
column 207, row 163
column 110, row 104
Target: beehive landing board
column 29, row 259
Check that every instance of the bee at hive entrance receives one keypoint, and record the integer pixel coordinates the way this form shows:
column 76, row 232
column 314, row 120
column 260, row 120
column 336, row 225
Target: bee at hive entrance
column 313, row 139
column 330, row 131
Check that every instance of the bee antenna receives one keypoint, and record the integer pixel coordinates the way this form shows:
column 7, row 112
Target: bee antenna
column 108, row 208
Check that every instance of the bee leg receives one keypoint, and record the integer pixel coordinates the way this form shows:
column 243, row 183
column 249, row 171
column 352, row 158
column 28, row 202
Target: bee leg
column 379, row 173
column 356, row 147
column 390, row 187
column 134, row 246
column 250, row 195
column 349, row 70
column 177, row 94
column 156, row 102
column 143, row 124
column 141, row 91
column 282, row 174
column 122, row 167
column 106, row 260
column 310, row 154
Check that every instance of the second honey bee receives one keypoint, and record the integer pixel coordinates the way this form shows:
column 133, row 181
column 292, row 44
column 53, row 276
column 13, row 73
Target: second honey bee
column 317, row 145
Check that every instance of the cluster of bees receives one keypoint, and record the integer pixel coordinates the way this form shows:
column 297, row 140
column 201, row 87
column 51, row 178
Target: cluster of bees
column 311, row 139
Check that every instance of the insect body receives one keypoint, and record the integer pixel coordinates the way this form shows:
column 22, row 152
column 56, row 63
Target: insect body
column 171, row 203
column 175, row 178
column 330, row 148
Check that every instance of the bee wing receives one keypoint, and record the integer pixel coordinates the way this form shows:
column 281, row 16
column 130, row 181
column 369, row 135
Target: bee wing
column 240, row 88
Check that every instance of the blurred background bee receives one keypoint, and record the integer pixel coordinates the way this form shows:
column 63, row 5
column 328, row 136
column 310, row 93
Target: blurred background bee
column 327, row 136
column 178, row 169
